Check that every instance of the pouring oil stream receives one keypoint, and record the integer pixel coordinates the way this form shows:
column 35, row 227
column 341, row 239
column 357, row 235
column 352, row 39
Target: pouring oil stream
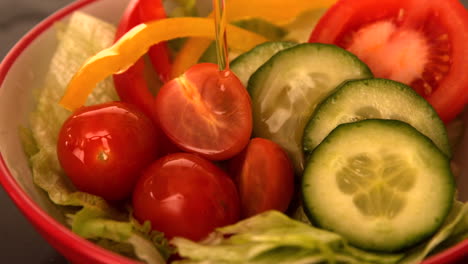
column 219, row 7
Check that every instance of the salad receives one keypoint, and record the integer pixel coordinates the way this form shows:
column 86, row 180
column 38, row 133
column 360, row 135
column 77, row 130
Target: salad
column 324, row 140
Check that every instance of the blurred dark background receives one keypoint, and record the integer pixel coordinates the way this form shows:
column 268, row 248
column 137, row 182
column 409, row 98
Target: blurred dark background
column 19, row 242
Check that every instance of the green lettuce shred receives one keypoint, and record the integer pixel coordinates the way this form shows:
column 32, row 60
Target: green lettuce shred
column 273, row 237
column 28, row 142
column 454, row 225
column 82, row 37
column 184, row 8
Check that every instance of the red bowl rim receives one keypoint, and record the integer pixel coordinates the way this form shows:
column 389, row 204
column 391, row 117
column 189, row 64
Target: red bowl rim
column 51, row 229
column 62, row 235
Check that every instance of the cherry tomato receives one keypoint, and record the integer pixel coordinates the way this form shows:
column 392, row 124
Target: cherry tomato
column 264, row 176
column 206, row 111
column 103, row 148
column 185, row 195
column 417, row 42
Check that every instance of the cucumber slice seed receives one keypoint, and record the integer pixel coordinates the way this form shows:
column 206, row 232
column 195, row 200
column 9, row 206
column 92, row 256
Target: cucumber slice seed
column 375, row 98
column 286, row 89
column 381, row 184
column 377, row 184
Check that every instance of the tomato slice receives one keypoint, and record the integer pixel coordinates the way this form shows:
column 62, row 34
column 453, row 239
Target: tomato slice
column 185, row 195
column 206, row 111
column 417, row 42
column 264, row 176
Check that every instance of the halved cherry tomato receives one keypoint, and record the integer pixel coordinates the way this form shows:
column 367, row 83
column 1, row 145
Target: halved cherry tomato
column 264, row 176
column 185, row 195
column 421, row 43
column 103, row 148
column 206, row 111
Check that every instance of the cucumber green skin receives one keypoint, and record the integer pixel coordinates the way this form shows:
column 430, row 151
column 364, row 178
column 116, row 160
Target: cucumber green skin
column 439, row 187
column 286, row 89
column 247, row 63
column 392, row 99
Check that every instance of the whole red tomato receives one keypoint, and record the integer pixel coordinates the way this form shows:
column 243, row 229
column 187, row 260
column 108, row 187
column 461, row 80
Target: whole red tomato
column 185, row 195
column 103, row 148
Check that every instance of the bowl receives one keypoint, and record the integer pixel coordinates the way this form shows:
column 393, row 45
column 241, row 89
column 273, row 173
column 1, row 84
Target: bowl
column 21, row 72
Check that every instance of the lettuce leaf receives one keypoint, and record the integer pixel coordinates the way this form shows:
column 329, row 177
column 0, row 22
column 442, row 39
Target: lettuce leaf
column 82, row 37
column 273, row 237
column 455, row 224
column 88, row 215
column 126, row 237
column 184, row 8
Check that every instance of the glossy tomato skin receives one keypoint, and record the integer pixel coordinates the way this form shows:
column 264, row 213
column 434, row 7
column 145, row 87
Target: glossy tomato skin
column 185, row 195
column 103, row 148
column 264, row 177
column 206, row 111
column 442, row 25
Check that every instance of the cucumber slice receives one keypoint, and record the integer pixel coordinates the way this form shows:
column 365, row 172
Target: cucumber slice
column 286, row 89
column 375, row 98
column 381, row 184
column 247, row 63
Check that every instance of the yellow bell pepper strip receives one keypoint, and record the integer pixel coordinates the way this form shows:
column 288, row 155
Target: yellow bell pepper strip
column 189, row 55
column 278, row 12
column 136, row 42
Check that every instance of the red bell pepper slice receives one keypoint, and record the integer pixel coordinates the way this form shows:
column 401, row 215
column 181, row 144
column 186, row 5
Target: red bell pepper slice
column 131, row 85
column 159, row 54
